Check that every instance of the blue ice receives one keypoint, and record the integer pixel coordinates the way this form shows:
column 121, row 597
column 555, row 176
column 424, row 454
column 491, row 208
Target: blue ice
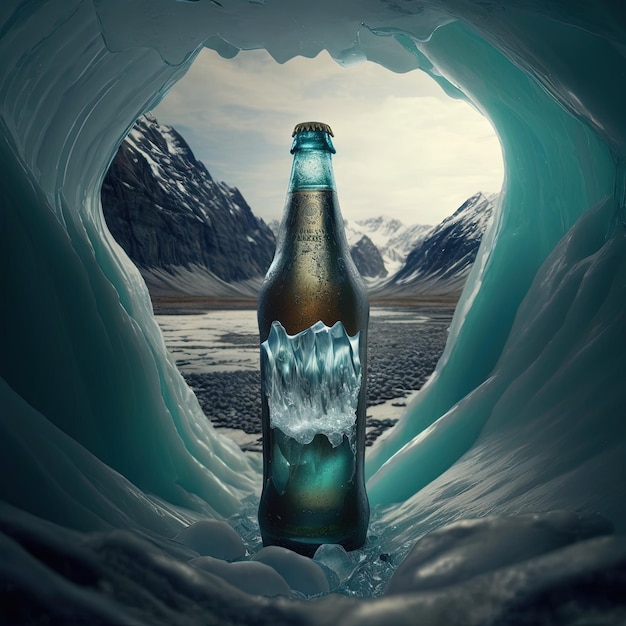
column 105, row 454
column 312, row 381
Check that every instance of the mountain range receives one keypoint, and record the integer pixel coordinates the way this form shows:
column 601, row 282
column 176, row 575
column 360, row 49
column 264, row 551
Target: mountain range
column 185, row 232
column 191, row 235
column 441, row 258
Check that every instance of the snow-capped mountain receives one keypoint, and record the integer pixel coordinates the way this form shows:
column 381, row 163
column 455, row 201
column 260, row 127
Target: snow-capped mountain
column 442, row 259
column 185, row 232
column 393, row 239
column 189, row 234
column 368, row 259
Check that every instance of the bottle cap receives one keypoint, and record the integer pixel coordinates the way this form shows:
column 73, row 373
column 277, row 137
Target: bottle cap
column 312, row 126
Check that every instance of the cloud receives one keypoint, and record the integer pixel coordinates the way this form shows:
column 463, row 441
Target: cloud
column 403, row 147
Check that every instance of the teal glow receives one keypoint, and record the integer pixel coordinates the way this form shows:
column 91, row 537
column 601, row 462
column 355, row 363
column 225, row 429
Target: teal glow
column 525, row 410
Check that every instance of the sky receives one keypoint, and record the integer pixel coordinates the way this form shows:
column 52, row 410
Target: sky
column 404, row 148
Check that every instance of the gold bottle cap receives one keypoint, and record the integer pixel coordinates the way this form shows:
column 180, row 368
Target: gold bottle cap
column 312, row 126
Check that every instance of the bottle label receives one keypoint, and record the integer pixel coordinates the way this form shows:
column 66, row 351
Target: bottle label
column 309, row 210
column 312, row 382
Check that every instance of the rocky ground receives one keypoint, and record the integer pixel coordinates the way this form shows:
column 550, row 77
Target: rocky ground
column 403, row 350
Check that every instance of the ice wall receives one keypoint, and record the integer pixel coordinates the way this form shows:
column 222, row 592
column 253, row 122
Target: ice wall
column 83, row 362
column 526, row 409
column 556, row 169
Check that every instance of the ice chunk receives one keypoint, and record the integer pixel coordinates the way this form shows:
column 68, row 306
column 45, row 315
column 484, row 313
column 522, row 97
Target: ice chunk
column 312, row 381
column 337, row 560
column 469, row 548
column 301, row 573
column 252, row 577
column 213, row 538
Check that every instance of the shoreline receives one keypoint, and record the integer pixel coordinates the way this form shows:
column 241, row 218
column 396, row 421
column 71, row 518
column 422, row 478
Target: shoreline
column 216, row 351
column 389, row 410
column 182, row 304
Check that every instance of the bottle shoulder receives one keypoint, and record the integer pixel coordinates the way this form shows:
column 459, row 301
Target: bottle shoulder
column 318, row 268
column 312, row 277
column 299, row 301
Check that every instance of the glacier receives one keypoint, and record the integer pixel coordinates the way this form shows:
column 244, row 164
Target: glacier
column 105, row 454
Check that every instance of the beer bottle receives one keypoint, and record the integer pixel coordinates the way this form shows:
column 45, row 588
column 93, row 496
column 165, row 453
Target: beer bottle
column 313, row 314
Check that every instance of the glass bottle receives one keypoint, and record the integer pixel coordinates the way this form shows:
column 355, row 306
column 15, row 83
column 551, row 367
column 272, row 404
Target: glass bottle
column 313, row 314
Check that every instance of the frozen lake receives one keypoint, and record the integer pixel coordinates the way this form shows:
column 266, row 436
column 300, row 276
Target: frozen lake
column 212, row 341
column 217, row 351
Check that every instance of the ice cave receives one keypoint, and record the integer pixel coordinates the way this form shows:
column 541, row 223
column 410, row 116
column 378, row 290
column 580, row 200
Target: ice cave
column 503, row 484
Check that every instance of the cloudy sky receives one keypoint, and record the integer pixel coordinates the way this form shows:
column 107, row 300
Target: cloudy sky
column 404, row 148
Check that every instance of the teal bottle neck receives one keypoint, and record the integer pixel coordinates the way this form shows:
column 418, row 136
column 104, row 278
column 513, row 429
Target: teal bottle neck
column 312, row 166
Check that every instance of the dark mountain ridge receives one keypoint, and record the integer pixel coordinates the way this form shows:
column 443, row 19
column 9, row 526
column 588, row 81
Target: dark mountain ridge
column 166, row 211
column 189, row 234
column 441, row 261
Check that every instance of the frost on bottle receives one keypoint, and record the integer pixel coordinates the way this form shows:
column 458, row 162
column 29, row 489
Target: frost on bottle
column 313, row 314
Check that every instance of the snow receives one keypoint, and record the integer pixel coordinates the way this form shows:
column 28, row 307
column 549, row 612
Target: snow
column 301, row 573
column 212, row 538
column 393, row 239
column 252, row 577
column 105, row 453
column 197, row 280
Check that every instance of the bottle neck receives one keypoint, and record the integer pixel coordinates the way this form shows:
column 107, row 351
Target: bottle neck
column 312, row 221
column 313, row 218
column 312, row 167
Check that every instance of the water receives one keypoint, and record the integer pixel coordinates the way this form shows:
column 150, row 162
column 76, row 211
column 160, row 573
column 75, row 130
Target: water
column 217, row 351
column 360, row 573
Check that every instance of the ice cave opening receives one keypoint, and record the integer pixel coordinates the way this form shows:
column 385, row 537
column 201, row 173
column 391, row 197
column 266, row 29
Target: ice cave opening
column 512, row 457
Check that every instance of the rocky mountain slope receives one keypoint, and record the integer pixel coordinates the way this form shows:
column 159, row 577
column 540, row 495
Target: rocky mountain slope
column 393, row 239
column 185, row 232
column 368, row 259
column 189, row 234
column 443, row 257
